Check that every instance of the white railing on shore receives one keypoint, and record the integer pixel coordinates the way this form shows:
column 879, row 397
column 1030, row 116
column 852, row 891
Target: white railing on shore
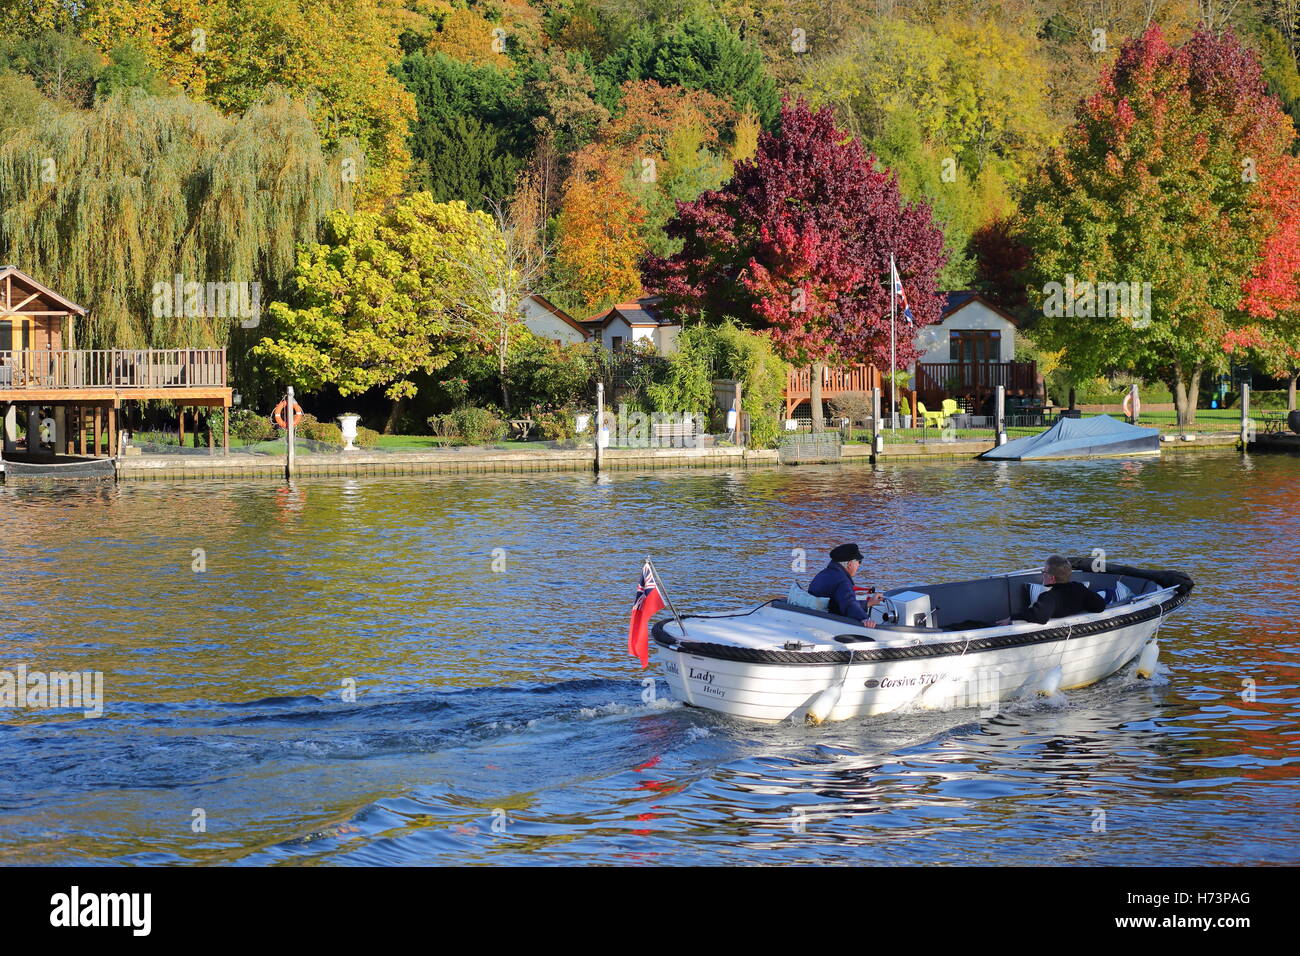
column 112, row 368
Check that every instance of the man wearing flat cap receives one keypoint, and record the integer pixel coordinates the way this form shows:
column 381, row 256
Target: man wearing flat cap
column 835, row 581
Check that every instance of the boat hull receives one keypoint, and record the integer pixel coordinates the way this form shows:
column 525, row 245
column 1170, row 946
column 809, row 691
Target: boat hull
column 777, row 692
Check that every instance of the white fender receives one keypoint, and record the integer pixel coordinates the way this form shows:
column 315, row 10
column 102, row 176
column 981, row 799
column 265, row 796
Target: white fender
column 1051, row 683
column 825, row 703
column 1147, row 660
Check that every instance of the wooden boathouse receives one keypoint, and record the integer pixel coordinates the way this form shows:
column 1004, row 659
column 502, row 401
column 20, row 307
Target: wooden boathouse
column 84, row 390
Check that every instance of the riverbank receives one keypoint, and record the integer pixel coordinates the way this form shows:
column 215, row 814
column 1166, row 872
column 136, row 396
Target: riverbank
column 510, row 460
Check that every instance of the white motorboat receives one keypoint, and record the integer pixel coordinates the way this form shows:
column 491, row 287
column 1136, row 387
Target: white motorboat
column 782, row 661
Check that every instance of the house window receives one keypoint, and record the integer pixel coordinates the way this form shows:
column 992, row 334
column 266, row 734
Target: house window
column 974, row 345
column 12, row 339
column 617, row 343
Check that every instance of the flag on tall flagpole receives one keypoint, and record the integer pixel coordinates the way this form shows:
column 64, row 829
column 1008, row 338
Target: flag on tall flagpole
column 647, row 604
column 898, row 291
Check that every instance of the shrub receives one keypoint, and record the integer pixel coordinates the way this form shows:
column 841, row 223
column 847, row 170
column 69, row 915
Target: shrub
column 325, row 432
column 542, row 373
column 855, row 406
column 556, row 426
column 248, row 426
column 442, row 426
column 684, row 383
column 478, row 426
column 366, row 437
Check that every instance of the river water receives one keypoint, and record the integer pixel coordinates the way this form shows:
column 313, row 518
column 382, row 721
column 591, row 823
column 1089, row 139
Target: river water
column 480, row 625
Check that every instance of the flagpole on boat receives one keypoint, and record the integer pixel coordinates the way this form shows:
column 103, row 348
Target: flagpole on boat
column 893, row 356
column 662, row 590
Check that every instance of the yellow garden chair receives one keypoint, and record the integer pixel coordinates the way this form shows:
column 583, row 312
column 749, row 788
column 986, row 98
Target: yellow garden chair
column 937, row 419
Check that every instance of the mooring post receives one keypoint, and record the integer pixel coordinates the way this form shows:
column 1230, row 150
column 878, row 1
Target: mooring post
column 1001, row 413
column 600, row 424
column 1245, row 415
column 1135, row 410
column 289, row 435
column 877, row 435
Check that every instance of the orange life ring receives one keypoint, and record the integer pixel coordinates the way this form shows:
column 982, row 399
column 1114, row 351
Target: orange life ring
column 1131, row 409
column 277, row 416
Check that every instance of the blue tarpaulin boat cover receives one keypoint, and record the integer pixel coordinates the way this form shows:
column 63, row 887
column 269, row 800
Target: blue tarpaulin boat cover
column 1081, row 438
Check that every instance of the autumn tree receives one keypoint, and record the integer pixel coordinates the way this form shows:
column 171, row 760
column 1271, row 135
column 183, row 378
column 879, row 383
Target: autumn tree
column 148, row 187
column 664, row 146
column 378, row 300
column 564, row 104
column 334, row 54
column 798, row 243
column 64, row 67
column 504, row 265
column 600, row 233
column 697, row 53
column 1157, row 185
column 979, row 88
column 1271, row 297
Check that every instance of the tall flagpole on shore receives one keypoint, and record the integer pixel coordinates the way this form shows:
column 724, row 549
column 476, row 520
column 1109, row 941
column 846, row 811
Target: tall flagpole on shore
column 893, row 356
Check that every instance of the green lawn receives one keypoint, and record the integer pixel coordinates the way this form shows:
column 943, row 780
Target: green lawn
column 426, row 442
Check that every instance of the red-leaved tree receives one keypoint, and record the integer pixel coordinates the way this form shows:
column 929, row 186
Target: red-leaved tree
column 797, row 244
column 1272, row 293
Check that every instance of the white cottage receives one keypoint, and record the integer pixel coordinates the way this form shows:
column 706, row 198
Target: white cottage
column 972, row 330
column 969, row 353
column 552, row 323
column 627, row 322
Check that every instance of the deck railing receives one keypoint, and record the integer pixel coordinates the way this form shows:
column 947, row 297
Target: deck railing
column 953, row 378
column 113, row 368
column 835, row 381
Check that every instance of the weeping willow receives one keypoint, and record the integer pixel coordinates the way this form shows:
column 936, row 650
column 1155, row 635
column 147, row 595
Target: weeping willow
column 105, row 205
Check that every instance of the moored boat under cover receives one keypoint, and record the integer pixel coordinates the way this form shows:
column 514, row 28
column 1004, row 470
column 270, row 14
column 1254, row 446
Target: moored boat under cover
column 1100, row 436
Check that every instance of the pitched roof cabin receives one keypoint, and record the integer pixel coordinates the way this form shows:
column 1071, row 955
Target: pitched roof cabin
column 544, row 318
column 626, row 322
column 85, row 388
column 966, row 355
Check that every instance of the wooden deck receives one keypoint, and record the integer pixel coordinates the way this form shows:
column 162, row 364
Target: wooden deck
column 95, row 376
column 936, row 381
column 835, row 381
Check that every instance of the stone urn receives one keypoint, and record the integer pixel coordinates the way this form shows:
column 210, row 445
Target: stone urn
column 348, row 423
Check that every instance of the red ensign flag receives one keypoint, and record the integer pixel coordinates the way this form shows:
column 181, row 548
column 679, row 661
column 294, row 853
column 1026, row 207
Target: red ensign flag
column 648, row 603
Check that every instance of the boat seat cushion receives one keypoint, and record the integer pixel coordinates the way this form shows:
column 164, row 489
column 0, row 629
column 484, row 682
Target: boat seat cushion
column 1119, row 593
column 801, row 598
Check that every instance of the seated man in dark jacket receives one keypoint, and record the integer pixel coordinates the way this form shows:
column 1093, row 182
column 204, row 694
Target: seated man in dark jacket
column 835, row 581
column 1062, row 598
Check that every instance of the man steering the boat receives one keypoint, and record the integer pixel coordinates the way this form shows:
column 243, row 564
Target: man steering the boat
column 835, row 582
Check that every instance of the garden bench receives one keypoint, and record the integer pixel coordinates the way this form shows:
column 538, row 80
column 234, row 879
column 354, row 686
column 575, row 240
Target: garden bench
column 677, row 434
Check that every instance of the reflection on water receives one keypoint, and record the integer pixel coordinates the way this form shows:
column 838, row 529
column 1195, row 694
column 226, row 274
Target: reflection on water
column 496, row 717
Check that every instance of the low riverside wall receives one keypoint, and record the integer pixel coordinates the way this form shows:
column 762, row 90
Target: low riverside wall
column 434, row 461
column 480, row 460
